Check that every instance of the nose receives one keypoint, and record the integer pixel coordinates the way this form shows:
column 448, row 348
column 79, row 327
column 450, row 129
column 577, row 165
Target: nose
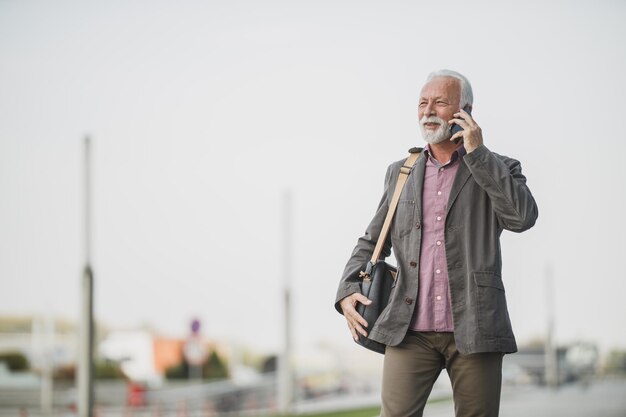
column 429, row 110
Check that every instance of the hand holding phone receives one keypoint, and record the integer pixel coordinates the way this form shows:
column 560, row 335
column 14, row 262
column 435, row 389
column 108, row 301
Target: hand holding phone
column 454, row 128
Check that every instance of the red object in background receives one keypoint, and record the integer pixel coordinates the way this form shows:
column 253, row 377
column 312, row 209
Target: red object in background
column 136, row 395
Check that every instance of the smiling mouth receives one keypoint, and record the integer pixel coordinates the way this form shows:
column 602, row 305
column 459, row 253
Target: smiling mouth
column 431, row 125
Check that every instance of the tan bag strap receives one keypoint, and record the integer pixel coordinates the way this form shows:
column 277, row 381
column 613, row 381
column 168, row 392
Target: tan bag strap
column 405, row 170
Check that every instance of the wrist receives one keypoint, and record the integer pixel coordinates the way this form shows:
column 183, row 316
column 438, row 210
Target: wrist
column 471, row 148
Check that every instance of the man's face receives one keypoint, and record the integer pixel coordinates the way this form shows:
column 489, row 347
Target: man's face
column 439, row 100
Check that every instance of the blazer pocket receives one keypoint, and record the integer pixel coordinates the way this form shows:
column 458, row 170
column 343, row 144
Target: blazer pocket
column 492, row 314
column 488, row 279
column 404, row 218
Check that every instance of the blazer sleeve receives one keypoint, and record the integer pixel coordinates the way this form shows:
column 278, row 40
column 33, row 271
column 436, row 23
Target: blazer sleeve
column 350, row 280
column 503, row 181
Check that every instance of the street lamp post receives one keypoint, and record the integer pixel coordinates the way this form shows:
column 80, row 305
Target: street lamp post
column 285, row 365
column 85, row 365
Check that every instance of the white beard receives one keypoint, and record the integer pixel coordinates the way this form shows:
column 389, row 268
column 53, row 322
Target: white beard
column 442, row 133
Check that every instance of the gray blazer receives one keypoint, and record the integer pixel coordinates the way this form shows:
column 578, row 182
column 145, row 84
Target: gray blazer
column 489, row 194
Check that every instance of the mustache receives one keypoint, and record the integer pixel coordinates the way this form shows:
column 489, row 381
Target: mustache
column 432, row 119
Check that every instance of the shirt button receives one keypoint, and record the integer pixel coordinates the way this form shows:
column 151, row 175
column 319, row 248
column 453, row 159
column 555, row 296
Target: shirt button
column 440, row 169
column 438, row 218
column 408, row 300
column 413, row 264
column 438, row 271
column 438, row 192
column 439, row 243
column 438, row 297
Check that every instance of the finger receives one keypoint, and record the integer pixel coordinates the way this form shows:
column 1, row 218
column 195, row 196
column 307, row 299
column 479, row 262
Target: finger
column 353, row 330
column 356, row 318
column 355, row 336
column 361, row 330
column 362, row 299
column 350, row 326
column 460, row 122
column 351, row 321
column 466, row 116
column 456, row 136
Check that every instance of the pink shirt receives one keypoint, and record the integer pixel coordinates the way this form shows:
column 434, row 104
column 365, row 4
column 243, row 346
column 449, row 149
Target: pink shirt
column 433, row 311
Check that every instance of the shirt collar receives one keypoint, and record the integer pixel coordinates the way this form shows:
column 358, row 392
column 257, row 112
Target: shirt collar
column 458, row 153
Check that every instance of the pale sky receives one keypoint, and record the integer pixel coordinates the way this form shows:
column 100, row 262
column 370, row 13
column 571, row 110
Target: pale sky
column 202, row 114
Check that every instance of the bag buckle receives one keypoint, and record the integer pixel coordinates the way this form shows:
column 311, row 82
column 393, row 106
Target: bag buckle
column 367, row 274
column 366, row 277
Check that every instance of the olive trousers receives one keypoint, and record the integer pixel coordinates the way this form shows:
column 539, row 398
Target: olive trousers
column 411, row 368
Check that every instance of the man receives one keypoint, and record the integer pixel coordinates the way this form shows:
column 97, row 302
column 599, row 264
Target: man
column 448, row 308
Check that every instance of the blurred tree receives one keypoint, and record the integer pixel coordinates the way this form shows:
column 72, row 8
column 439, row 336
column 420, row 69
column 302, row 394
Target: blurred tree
column 180, row 371
column 103, row 369
column 270, row 365
column 214, row 368
column 107, row 369
column 616, row 362
column 15, row 361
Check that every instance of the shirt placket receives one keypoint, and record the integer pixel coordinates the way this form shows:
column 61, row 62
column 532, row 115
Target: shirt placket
column 440, row 286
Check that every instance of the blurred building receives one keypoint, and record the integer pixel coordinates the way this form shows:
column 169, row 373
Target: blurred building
column 46, row 343
column 576, row 361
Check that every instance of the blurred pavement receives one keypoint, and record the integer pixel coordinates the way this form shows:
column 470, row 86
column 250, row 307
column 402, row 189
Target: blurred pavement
column 604, row 398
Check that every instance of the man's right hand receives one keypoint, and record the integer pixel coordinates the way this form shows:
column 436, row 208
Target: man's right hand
column 356, row 322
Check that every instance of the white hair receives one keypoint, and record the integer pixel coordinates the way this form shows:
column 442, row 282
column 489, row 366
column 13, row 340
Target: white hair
column 442, row 133
column 467, row 97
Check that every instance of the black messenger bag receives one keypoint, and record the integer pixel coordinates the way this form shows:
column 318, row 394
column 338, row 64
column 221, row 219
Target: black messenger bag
column 378, row 276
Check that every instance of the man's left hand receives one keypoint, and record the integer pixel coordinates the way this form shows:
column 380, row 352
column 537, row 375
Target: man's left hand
column 471, row 133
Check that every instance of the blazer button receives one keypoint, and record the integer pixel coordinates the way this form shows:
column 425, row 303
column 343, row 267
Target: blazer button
column 408, row 300
column 417, row 225
column 413, row 264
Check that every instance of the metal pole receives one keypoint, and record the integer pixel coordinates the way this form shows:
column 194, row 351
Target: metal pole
column 47, row 346
column 85, row 365
column 551, row 357
column 285, row 366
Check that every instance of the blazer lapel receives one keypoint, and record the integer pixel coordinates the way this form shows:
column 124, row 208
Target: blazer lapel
column 417, row 179
column 462, row 175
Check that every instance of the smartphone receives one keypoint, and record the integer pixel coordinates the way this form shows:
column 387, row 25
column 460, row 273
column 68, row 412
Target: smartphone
column 454, row 128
